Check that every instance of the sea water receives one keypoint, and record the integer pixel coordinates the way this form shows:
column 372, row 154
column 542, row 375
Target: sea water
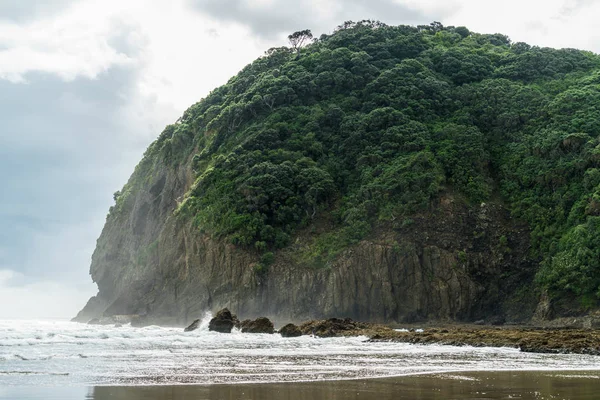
column 60, row 354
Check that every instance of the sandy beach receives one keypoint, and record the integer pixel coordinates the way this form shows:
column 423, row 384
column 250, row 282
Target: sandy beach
column 539, row 385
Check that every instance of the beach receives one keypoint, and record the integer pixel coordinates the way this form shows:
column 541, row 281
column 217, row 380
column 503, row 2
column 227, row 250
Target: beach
column 54, row 360
column 539, row 385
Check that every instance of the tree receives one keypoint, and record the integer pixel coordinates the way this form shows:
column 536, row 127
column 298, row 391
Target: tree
column 298, row 39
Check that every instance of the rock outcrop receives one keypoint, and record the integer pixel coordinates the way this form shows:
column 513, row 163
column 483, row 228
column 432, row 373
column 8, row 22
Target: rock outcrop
column 223, row 322
column 274, row 198
column 334, row 327
column 259, row 325
column 532, row 340
column 290, row 330
column 193, row 326
column 446, row 265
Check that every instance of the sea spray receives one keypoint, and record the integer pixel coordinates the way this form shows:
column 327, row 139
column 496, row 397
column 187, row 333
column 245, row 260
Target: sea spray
column 55, row 353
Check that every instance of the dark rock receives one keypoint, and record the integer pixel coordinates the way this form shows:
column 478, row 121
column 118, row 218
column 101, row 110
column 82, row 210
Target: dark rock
column 477, row 290
column 243, row 323
column 290, row 330
column 94, row 308
column 331, row 327
column 259, row 325
column 479, row 322
column 94, row 321
column 193, row 326
column 223, row 322
column 118, row 325
column 497, row 320
column 236, row 322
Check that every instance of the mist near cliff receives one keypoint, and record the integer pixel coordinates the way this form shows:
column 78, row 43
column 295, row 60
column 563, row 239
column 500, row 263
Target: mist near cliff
column 86, row 85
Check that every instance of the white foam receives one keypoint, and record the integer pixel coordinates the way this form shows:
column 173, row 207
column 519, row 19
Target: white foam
column 66, row 353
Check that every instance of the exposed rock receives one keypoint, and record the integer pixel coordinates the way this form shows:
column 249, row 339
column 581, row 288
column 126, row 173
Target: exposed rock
column 93, row 309
column 259, row 325
column 94, row 321
column 243, row 323
column 544, row 310
column 193, row 326
column 432, row 269
column 290, row 330
column 592, row 322
column 222, row 322
column 236, row 321
column 336, row 327
column 537, row 340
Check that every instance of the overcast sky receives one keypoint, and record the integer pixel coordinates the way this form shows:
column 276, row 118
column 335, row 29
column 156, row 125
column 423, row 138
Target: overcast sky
column 86, row 85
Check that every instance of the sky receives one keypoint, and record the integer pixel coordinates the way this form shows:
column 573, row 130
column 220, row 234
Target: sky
column 86, row 85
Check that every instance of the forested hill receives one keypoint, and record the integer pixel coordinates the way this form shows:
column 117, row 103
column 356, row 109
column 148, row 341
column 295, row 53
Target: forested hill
column 372, row 126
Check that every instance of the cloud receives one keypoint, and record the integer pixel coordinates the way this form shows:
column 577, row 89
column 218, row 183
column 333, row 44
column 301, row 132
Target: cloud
column 46, row 299
column 270, row 18
column 65, row 147
column 86, row 85
column 48, row 45
column 553, row 23
column 23, row 10
column 75, row 124
column 571, row 7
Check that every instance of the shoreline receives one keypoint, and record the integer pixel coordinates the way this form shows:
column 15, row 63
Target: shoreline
column 551, row 340
column 544, row 384
column 593, row 372
column 531, row 340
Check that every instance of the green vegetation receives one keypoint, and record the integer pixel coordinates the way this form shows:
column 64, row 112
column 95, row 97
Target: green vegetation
column 373, row 122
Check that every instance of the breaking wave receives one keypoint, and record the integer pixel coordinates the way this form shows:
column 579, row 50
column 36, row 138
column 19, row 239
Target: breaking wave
column 34, row 353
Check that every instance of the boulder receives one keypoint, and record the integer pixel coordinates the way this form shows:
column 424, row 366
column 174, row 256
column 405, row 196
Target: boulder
column 259, row 325
column 333, row 327
column 290, row 330
column 193, row 326
column 223, row 322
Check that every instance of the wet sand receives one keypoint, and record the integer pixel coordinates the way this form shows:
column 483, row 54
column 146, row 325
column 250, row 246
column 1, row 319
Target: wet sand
column 539, row 385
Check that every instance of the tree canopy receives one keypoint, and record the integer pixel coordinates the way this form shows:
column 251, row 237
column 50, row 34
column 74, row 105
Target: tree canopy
column 373, row 122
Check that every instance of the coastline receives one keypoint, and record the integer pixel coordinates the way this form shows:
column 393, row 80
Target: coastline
column 572, row 384
column 551, row 340
column 60, row 356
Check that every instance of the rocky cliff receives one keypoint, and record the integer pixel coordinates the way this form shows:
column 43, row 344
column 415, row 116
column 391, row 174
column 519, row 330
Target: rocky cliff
column 456, row 263
column 383, row 173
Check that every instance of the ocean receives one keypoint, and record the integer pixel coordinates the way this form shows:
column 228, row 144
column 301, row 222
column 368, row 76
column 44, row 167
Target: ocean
column 50, row 359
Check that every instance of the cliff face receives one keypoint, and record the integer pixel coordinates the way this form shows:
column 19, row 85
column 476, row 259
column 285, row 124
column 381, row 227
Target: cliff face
column 456, row 263
column 378, row 173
